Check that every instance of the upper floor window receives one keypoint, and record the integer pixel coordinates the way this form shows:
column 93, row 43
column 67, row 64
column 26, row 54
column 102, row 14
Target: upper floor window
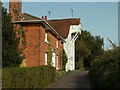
column 46, row 37
column 57, row 43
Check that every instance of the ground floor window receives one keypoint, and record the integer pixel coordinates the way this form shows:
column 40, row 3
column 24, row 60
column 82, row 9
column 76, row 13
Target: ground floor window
column 46, row 56
column 57, row 67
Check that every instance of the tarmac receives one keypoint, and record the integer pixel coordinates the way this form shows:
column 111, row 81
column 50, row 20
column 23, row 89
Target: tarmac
column 75, row 79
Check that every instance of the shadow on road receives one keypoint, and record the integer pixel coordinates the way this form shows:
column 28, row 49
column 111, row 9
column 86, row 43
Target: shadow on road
column 82, row 81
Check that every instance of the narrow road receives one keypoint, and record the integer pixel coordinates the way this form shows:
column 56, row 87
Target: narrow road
column 75, row 79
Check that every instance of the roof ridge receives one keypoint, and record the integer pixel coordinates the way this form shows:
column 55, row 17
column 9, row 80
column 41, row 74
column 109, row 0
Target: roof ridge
column 63, row 19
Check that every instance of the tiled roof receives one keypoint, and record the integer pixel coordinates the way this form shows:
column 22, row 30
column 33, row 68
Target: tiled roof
column 62, row 26
column 27, row 16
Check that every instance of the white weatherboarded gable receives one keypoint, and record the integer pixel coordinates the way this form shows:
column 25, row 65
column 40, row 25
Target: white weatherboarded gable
column 69, row 46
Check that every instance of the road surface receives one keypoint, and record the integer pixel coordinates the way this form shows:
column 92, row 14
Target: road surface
column 75, row 79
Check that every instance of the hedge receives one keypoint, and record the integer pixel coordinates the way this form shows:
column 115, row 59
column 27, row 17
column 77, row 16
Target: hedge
column 104, row 72
column 34, row 77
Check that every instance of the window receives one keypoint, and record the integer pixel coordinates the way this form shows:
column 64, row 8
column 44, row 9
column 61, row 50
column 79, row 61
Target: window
column 46, row 56
column 57, row 43
column 57, row 63
column 46, row 37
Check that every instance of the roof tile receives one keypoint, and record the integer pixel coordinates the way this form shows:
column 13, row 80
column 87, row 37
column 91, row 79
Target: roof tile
column 62, row 26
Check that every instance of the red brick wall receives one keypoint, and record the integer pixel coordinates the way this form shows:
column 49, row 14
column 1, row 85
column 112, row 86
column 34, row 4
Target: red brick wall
column 36, row 47
column 32, row 50
column 43, row 46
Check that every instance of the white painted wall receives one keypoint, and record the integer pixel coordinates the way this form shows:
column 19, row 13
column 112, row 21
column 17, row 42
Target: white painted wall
column 69, row 46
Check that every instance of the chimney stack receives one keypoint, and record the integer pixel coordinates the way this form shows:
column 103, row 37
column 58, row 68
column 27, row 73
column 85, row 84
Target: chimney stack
column 45, row 17
column 15, row 9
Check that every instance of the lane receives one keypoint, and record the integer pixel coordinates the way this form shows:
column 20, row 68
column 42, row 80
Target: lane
column 76, row 79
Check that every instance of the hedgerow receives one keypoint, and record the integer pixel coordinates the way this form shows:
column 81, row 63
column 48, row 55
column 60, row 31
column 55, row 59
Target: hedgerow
column 104, row 72
column 34, row 77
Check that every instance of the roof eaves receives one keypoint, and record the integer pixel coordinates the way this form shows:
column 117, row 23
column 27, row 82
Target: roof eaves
column 38, row 21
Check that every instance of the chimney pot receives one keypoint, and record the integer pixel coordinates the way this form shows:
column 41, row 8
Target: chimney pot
column 45, row 17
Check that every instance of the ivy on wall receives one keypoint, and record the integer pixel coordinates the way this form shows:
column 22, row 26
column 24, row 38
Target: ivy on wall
column 49, row 51
column 22, row 39
column 61, row 57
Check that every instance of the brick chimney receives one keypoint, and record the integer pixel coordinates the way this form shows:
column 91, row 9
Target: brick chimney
column 43, row 18
column 15, row 9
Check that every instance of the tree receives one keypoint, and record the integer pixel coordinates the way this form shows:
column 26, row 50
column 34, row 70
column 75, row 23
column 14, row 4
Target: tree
column 87, row 48
column 10, row 51
column 64, row 59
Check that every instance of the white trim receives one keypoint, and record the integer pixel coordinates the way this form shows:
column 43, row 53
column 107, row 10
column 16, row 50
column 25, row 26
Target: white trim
column 46, row 37
column 46, row 56
column 57, row 63
column 57, row 43
column 53, row 59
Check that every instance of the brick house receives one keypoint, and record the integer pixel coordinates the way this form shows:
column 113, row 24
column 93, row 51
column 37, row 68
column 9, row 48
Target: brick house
column 35, row 32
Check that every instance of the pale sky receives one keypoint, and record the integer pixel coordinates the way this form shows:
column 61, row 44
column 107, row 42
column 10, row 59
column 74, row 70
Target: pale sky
column 99, row 18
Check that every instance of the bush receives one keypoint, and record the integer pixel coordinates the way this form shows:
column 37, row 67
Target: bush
column 104, row 70
column 79, row 64
column 64, row 59
column 61, row 73
column 34, row 77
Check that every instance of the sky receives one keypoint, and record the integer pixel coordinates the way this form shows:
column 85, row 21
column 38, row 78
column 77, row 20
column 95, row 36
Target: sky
column 99, row 18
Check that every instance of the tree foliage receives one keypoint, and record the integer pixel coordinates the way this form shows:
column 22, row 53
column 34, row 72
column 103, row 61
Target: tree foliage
column 10, row 51
column 64, row 59
column 87, row 48
column 105, row 70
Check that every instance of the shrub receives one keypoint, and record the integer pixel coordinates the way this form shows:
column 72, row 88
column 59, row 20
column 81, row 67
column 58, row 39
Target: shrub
column 104, row 70
column 61, row 73
column 34, row 77
column 79, row 64
column 64, row 59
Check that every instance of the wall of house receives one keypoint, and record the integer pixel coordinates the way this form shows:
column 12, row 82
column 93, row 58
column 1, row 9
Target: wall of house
column 54, row 40
column 32, row 50
column 36, row 47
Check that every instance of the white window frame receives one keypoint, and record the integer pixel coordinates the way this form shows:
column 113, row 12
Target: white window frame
column 46, row 58
column 57, row 43
column 46, row 37
column 57, row 63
